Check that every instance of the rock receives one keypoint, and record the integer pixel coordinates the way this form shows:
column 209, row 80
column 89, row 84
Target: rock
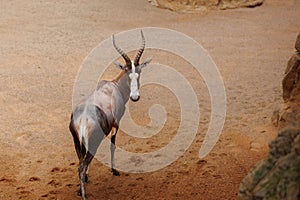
column 289, row 115
column 226, row 4
column 297, row 44
column 201, row 5
column 276, row 177
column 291, row 81
column 297, row 145
column 292, row 63
column 290, row 111
column 275, row 117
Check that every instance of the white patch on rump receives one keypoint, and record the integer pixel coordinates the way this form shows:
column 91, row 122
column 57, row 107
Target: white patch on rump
column 83, row 132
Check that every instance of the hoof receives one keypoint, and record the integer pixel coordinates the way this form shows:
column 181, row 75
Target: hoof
column 80, row 194
column 115, row 172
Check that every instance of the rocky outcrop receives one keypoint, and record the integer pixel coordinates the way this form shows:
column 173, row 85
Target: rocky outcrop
column 290, row 111
column 278, row 176
column 201, row 5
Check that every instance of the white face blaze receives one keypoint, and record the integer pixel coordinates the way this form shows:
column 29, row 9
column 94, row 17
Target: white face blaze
column 134, row 90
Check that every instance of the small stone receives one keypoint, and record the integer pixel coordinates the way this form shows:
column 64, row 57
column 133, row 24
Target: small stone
column 255, row 146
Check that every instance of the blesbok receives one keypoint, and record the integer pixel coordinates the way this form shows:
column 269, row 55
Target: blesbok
column 100, row 113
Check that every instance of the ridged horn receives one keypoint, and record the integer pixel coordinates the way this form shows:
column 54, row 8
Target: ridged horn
column 140, row 52
column 121, row 52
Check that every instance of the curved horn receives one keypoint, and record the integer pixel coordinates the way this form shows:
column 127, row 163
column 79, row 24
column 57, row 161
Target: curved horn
column 139, row 54
column 121, row 52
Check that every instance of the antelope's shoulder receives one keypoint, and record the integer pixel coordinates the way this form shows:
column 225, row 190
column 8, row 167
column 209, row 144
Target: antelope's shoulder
column 105, row 85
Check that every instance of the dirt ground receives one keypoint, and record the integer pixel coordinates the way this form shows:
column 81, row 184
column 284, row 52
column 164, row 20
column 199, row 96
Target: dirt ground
column 42, row 45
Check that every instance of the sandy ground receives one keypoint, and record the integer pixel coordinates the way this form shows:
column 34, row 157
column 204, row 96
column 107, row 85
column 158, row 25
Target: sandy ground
column 42, row 45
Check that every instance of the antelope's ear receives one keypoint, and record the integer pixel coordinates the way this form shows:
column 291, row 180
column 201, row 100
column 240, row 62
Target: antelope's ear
column 119, row 65
column 146, row 62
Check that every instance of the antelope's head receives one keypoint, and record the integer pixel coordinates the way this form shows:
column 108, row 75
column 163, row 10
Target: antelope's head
column 133, row 68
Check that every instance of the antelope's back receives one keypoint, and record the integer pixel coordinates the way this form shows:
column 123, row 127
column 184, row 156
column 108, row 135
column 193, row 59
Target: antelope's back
column 110, row 100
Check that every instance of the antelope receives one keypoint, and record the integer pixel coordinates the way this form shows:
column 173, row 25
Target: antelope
column 100, row 113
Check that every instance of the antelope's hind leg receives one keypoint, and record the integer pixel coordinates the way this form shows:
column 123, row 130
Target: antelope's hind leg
column 76, row 140
column 86, row 178
column 84, row 165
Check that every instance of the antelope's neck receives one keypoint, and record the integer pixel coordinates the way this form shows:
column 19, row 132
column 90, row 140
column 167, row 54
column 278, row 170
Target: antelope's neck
column 123, row 84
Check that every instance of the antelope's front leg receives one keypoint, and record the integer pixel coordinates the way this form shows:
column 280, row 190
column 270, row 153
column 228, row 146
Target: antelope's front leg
column 112, row 151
